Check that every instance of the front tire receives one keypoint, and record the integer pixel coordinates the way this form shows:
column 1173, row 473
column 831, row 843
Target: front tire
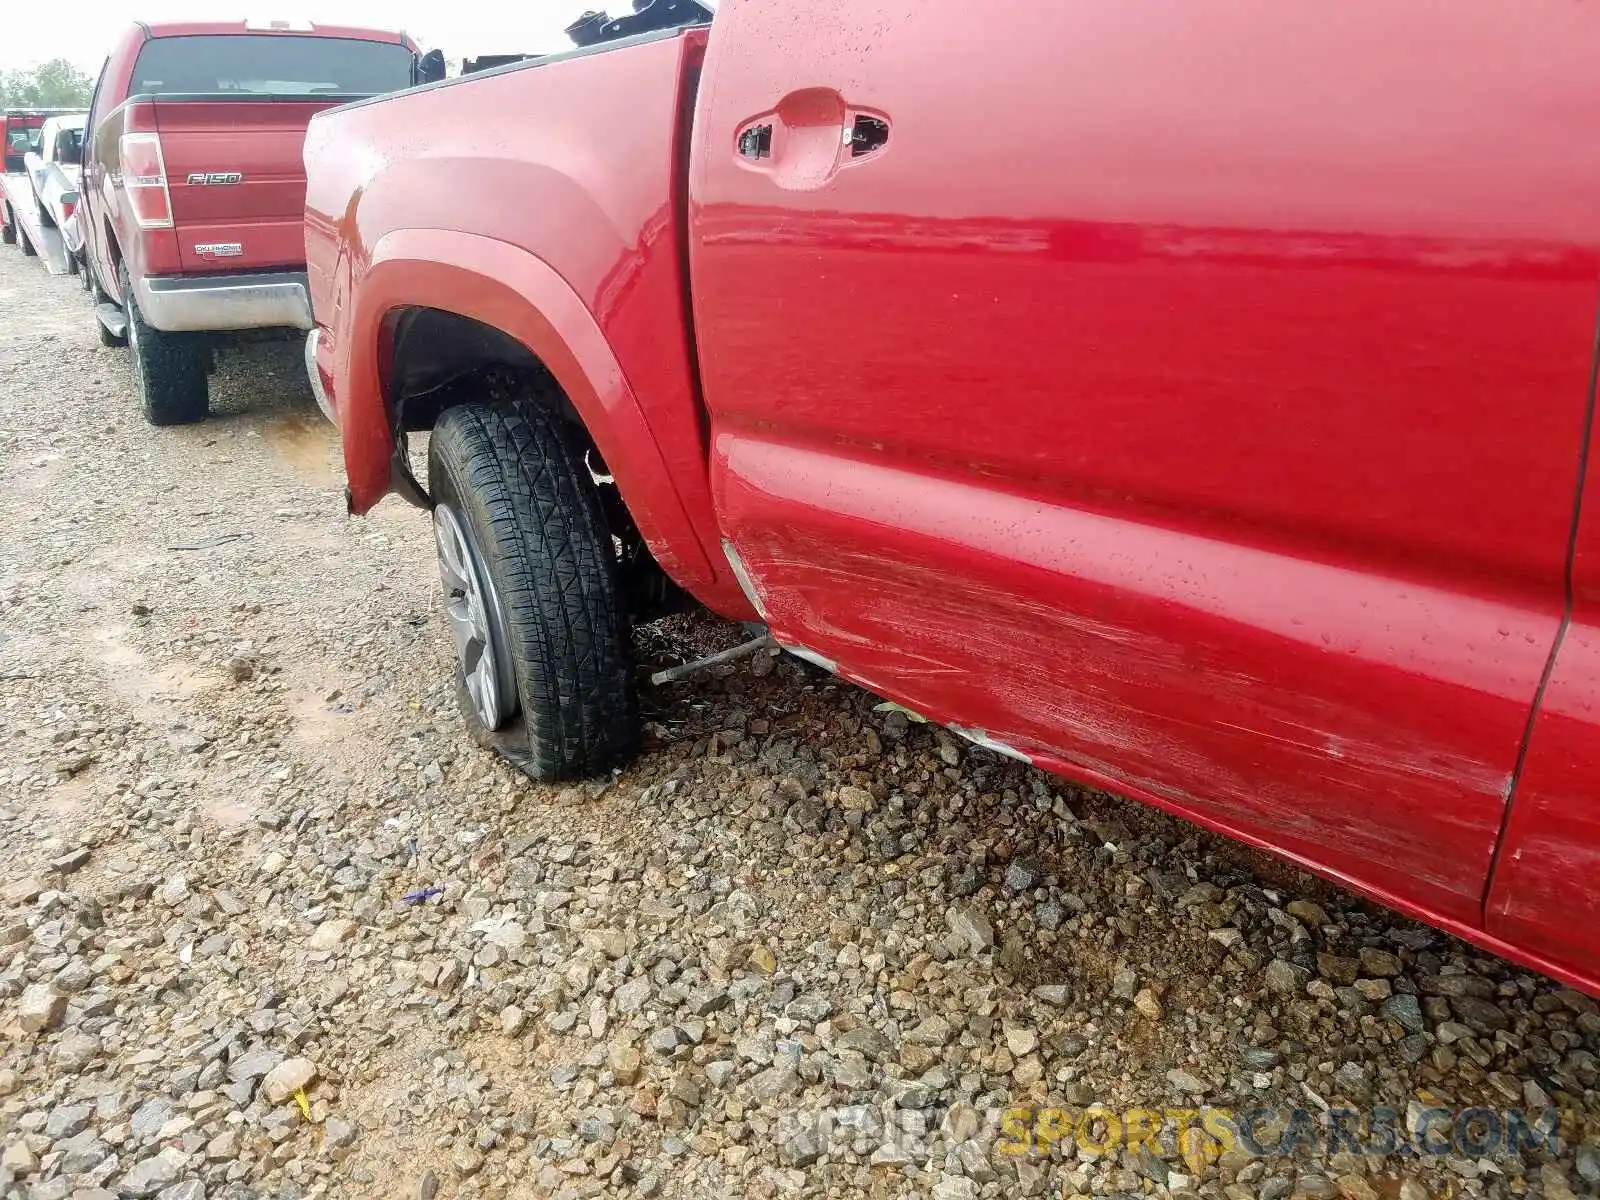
column 169, row 370
column 544, row 663
column 25, row 244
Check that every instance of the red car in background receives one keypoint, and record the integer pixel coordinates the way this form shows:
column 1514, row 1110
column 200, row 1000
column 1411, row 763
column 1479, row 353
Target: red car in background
column 193, row 188
column 18, row 130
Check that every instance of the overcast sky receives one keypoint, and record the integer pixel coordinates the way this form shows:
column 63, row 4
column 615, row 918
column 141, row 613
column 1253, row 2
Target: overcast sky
column 82, row 30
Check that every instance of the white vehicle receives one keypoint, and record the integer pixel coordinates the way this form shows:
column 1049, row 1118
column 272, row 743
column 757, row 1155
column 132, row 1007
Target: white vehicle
column 55, row 174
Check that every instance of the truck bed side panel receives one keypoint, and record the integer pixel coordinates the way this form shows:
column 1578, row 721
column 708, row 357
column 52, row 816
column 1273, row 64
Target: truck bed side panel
column 573, row 161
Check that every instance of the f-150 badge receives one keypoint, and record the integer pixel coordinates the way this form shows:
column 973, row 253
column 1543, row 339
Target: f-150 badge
column 216, row 178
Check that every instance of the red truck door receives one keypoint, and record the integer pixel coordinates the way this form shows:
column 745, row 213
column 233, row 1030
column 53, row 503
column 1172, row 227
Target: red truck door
column 1543, row 895
column 1188, row 399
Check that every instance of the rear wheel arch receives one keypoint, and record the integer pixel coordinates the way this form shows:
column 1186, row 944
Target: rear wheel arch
column 432, row 305
column 113, row 254
column 440, row 360
column 431, row 350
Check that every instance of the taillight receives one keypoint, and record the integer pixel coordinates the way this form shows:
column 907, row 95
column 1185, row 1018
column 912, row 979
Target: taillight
column 144, row 175
column 69, row 205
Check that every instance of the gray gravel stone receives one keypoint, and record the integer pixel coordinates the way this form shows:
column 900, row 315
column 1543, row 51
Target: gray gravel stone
column 81, row 1153
column 41, row 1008
column 930, row 1031
column 150, row 1117
column 1588, row 1163
column 69, row 862
column 971, row 926
column 1481, row 1015
column 1022, row 875
column 254, row 1063
column 1378, row 963
column 1406, row 1011
column 955, row 1187
column 631, row 996
column 337, row 1133
column 1286, row 978
column 66, row 1120
column 867, row 1041
column 1050, row 914
column 966, row 881
column 150, row 1175
column 287, row 1078
column 776, row 1081
column 809, row 1009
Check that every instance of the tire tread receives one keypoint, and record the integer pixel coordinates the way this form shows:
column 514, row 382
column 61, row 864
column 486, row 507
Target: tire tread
column 174, row 389
column 520, row 473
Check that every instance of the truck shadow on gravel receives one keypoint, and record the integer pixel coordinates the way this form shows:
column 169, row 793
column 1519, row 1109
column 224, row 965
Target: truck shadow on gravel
column 261, row 380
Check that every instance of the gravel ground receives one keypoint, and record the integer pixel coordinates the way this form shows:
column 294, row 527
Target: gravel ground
column 272, row 926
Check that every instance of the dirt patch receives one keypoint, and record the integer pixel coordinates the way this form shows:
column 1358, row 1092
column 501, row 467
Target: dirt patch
column 307, row 444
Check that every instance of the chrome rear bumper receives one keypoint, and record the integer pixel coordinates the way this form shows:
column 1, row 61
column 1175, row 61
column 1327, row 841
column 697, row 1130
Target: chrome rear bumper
column 218, row 303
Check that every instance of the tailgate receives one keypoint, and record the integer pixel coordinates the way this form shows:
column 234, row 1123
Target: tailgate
column 237, row 180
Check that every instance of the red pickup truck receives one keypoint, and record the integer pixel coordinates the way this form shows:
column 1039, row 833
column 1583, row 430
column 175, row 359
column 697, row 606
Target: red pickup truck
column 1194, row 402
column 193, row 188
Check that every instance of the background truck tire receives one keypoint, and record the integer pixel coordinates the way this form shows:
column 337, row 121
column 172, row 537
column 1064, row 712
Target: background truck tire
column 23, row 243
column 516, row 479
column 169, row 370
column 8, row 227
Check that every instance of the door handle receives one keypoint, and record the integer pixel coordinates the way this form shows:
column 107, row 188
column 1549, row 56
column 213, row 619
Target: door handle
column 809, row 137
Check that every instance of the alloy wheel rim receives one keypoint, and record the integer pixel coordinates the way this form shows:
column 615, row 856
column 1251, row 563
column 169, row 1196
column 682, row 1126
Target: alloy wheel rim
column 472, row 613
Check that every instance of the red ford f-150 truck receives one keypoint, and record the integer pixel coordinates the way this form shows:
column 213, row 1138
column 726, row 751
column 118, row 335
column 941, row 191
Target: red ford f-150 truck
column 194, row 192
column 1190, row 401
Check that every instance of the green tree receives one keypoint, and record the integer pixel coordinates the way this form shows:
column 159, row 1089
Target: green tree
column 54, row 84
